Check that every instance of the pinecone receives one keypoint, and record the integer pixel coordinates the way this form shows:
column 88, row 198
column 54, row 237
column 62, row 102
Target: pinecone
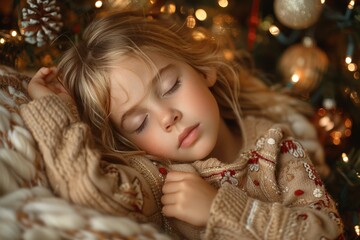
column 41, row 21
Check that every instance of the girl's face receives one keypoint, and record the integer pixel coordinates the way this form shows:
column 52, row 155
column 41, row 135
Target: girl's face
column 176, row 117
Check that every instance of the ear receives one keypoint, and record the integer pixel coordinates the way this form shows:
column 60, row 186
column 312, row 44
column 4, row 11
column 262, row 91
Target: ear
column 211, row 77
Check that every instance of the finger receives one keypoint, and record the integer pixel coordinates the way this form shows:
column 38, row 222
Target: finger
column 44, row 75
column 171, row 187
column 55, row 87
column 53, row 69
column 168, row 199
column 51, row 75
column 170, row 210
column 178, row 176
column 41, row 73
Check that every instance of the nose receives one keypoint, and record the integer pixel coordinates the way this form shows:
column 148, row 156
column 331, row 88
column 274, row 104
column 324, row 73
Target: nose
column 169, row 118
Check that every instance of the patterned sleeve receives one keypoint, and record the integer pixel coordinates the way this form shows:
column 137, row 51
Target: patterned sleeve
column 74, row 167
column 282, row 197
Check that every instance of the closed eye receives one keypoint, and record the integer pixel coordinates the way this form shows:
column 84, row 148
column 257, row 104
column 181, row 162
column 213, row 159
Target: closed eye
column 173, row 88
column 142, row 125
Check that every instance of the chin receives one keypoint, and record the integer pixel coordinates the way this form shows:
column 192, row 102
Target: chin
column 193, row 157
column 197, row 152
column 203, row 155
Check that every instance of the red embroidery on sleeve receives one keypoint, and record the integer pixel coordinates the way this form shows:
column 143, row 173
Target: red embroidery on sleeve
column 229, row 176
column 302, row 216
column 292, row 147
column 253, row 161
column 299, row 192
column 162, row 170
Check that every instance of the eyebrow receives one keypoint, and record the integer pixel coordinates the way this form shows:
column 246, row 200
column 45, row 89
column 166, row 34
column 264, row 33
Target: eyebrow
column 152, row 83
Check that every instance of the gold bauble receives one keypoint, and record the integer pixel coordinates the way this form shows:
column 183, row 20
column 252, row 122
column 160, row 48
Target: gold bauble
column 297, row 14
column 302, row 66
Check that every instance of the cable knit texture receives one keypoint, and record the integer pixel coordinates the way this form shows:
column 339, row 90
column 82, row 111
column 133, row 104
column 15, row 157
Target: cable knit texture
column 272, row 191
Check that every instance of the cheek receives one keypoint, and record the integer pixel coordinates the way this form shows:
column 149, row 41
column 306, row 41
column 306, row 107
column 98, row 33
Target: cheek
column 150, row 143
column 202, row 102
column 156, row 148
column 147, row 144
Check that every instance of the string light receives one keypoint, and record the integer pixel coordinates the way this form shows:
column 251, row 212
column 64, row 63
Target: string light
column 326, row 123
column 98, row 4
column 356, row 75
column 351, row 4
column 190, row 21
column 328, row 103
column 352, row 67
column 201, row 14
column 168, row 8
column 344, row 157
column 348, row 59
column 223, row 3
column 172, row 8
column 357, row 229
column 2, row 40
column 295, row 78
column 274, row 30
column 354, row 96
column 13, row 33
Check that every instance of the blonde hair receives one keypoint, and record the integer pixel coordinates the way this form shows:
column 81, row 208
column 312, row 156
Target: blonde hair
column 84, row 70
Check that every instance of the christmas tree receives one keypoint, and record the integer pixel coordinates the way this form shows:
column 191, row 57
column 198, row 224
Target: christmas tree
column 309, row 49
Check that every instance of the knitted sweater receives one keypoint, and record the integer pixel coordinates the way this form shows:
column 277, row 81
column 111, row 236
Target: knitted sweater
column 271, row 191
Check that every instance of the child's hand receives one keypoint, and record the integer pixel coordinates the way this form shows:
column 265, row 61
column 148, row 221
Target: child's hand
column 44, row 83
column 187, row 197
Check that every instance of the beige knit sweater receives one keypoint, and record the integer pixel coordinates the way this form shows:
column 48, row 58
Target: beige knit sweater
column 272, row 191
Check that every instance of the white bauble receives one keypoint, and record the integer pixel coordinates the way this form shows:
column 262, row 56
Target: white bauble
column 297, row 14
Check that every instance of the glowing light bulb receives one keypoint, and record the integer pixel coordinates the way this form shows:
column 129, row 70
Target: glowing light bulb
column 190, row 21
column 98, row 4
column 223, row 3
column 344, row 157
column 352, row 67
column 348, row 59
column 172, row 8
column 351, row 4
column 295, row 78
column 274, row 30
column 13, row 33
column 357, row 229
column 200, row 14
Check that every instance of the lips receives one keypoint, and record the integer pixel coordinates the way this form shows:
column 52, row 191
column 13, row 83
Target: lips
column 188, row 136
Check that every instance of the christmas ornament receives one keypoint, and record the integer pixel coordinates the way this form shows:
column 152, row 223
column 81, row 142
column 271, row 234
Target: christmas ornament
column 297, row 14
column 302, row 66
column 41, row 21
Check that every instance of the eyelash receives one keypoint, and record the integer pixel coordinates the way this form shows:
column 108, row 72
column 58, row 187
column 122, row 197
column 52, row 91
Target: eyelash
column 142, row 126
column 170, row 91
column 173, row 88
